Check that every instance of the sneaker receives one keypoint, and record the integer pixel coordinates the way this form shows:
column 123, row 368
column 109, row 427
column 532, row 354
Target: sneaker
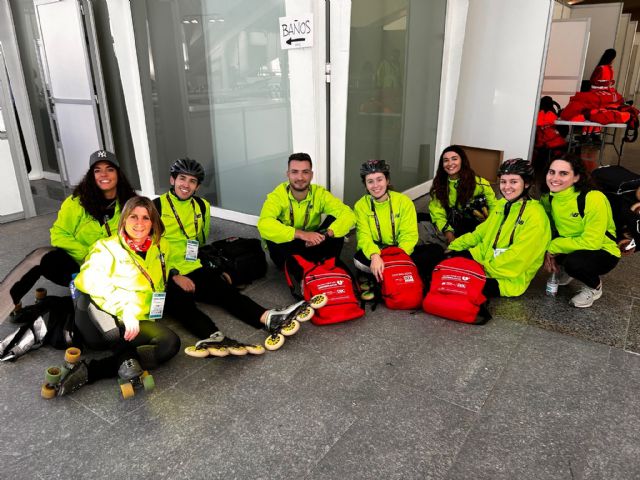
column 75, row 379
column 564, row 278
column 586, row 297
column 279, row 317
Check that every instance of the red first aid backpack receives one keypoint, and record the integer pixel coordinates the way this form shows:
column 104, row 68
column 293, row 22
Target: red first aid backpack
column 456, row 291
column 401, row 284
column 335, row 282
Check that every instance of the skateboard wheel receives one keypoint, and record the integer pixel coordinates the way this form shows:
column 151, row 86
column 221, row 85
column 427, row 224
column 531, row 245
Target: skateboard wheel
column 192, row 351
column 305, row 314
column 274, row 342
column 215, row 351
column 52, row 375
column 72, row 355
column 367, row 296
column 255, row 349
column 237, row 351
column 290, row 329
column 319, row 301
column 147, row 381
column 47, row 391
column 40, row 293
column 127, row 390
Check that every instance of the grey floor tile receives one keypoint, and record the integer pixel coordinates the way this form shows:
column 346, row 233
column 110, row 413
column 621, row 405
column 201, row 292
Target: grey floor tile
column 632, row 343
column 614, row 449
column 410, row 435
column 457, row 362
column 539, row 419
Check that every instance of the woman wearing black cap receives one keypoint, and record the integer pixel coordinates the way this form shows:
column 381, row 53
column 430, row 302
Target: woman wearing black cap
column 91, row 212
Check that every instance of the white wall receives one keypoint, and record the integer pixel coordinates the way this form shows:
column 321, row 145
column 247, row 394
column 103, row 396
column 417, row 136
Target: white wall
column 10, row 202
column 625, row 60
column 604, row 25
column 501, row 73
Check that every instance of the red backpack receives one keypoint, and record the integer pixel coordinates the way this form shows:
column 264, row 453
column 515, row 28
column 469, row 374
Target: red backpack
column 456, row 291
column 402, row 287
column 335, row 282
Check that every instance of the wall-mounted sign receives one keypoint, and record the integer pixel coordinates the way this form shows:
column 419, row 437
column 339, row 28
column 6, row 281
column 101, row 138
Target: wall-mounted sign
column 296, row 31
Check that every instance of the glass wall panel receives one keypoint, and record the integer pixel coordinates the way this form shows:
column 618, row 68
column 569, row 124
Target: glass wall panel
column 394, row 88
column 216, row 88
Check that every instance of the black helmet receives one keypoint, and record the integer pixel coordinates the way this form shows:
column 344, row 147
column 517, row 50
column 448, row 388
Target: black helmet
column 374, row 166
column 517, row 166
column 188, row 166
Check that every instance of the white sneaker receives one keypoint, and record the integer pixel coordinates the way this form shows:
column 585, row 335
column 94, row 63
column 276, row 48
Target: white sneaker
column 564, row 278
column 586, row 297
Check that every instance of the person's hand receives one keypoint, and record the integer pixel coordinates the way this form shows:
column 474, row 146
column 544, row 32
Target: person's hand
column 550, row 264
column 635, row 208
column 449, row 236
column 310, row 239
column 377, row 266
column 185, row 283
column 131, row 327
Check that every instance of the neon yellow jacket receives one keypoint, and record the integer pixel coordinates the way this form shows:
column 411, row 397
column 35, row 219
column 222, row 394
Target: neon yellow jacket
column 186, row 209
column 439, row 213
column 575, row 232
column 113, row 281
column 406, row 224
column 275, row 219
column 75, row 231
column 515, row 268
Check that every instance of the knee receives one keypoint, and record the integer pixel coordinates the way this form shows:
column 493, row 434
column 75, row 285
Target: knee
column 168, row 346
column 572, row 264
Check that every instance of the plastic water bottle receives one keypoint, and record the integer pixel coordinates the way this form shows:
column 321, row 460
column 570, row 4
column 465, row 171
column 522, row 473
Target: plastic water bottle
column 552, row 285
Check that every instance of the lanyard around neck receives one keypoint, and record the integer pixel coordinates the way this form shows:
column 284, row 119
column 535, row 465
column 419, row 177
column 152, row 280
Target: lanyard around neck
column 306, row 213
column 393, row 221
column 145, row 273
column 495, row 242
column 177, row 217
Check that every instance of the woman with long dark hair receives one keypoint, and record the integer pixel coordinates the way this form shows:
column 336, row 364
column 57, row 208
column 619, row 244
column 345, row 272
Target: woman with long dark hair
column 584, row 245
column 460, row 200
column 90, row 213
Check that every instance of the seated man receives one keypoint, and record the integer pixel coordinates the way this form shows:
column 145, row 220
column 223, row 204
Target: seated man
column 290, row 220
column 186, row 219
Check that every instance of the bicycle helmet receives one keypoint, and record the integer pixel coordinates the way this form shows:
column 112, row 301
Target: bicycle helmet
column 374, row 166
column 188, row 166
column 517, row 166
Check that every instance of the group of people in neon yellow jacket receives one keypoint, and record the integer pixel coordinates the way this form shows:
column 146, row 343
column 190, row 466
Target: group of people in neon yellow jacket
column 135, row 263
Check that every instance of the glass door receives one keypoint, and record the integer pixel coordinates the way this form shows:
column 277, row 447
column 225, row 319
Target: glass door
column 218, row 88
column 395, row 62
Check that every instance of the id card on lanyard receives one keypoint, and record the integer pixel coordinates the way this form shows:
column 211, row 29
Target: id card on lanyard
column 157, row 298
column 191, row 252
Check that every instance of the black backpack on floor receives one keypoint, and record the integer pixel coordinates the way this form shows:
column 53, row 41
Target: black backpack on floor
column 243, row 259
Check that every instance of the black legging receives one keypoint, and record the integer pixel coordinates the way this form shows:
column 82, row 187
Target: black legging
column 211, row 289
column 154, row 344
column 57, row 266
column 587, row 265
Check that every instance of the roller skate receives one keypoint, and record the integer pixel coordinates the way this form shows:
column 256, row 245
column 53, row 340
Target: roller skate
column 285, row 322
column 367, row 288
column 132, row 376
column 62, row 380
column 22, row 314
column 217, row 345
column 25, row 338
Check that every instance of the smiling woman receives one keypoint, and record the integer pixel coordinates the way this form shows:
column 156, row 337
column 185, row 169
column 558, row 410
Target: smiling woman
column 90, row 213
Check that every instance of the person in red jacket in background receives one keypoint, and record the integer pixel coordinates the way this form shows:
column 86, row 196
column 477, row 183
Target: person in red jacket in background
column 602, row 76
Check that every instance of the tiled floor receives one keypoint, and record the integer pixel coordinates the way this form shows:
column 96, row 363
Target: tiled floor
column 543, row 391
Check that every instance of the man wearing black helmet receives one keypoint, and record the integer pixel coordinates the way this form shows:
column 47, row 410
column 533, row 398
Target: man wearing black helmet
column 187, row 223
column 290, row 220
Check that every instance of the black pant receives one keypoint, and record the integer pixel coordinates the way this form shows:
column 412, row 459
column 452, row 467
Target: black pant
column 211, row 289
column 57, row 266
column 426, row 257
column 588, row 265
column 154, row 344
column 330, row 248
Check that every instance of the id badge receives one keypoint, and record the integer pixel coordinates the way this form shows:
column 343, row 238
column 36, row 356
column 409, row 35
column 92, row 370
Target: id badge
column 498, row 251
column 157, row 305
column 192, row 250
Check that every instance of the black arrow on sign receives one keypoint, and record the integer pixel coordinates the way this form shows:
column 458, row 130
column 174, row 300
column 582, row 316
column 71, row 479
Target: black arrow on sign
column 291, row 40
